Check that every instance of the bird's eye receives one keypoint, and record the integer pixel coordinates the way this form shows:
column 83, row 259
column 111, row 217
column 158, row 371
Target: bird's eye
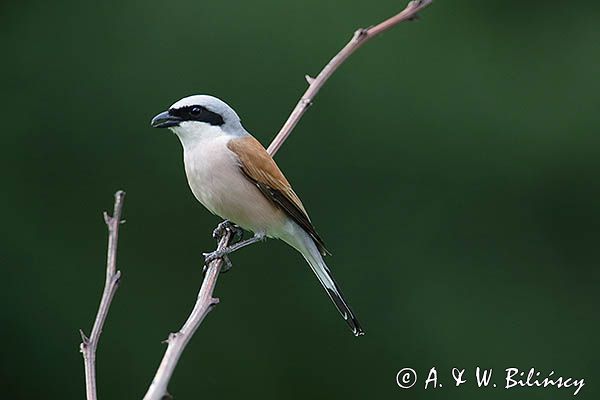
column 195, row 111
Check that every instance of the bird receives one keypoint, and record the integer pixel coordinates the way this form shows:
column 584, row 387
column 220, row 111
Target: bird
column 232, row 175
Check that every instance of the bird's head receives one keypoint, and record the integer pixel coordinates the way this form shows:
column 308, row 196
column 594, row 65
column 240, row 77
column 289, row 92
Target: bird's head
column 196, row 117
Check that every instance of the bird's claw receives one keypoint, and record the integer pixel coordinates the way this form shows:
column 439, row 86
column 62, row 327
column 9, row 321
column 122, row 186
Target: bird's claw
column 236, row 236
column 223, row 227
column 227, row 265
column 235, row 243
column 220, row 230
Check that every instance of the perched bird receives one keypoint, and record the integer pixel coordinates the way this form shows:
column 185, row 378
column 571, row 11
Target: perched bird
column 234, row 177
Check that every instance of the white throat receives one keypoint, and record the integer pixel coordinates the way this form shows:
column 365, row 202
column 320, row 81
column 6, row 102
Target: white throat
column 192, row 133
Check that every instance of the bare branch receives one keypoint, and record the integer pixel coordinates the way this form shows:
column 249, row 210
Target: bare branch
column 361, row 36
column 90, row 344
column 205, row 302
column 177, row 341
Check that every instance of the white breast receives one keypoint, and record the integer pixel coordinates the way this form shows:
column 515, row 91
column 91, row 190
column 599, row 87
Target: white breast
column 215, row 177
column 209, row 169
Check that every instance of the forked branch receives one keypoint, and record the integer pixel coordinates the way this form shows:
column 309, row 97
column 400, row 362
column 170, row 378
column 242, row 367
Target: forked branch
column 205, row 300
column 90, row 344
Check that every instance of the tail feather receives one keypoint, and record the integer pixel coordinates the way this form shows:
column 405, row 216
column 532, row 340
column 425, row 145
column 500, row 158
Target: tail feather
column 336, row 295
column 302, row 242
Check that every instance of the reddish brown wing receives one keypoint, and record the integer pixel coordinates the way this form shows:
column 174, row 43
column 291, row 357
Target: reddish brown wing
column 260, row 168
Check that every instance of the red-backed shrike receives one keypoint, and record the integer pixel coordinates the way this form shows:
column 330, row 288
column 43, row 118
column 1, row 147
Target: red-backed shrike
column 234, row 177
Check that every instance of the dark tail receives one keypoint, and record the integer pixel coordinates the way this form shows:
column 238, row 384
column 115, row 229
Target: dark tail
column 313, row 256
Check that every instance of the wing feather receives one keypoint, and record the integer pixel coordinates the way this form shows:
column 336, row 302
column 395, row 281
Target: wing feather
column 260, row 168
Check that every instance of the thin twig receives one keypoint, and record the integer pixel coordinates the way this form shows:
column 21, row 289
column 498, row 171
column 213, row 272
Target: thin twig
column 205, row 302
column 90, row 344
column 361, row 36
column 177, row 341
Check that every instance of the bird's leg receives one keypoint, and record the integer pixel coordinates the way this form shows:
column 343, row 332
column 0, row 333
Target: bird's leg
column 218, row 232
column 236, row 235
column 208, row 257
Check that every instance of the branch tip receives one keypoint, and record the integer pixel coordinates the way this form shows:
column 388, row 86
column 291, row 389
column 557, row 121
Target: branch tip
column 309, row 79
column 84, row 339
column 107, row 218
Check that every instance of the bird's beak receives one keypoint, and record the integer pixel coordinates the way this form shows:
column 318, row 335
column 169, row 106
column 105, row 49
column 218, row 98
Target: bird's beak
column 165, row 120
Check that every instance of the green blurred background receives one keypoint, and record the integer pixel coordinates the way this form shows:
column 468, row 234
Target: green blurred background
column 451, row 166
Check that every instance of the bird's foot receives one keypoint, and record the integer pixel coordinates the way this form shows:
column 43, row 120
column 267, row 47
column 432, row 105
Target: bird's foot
column 222, row 253
column 236, row 232
column 213, row 255
column 227, row 264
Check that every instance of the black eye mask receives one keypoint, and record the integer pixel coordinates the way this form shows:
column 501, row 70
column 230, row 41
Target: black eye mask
column 197, row 113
